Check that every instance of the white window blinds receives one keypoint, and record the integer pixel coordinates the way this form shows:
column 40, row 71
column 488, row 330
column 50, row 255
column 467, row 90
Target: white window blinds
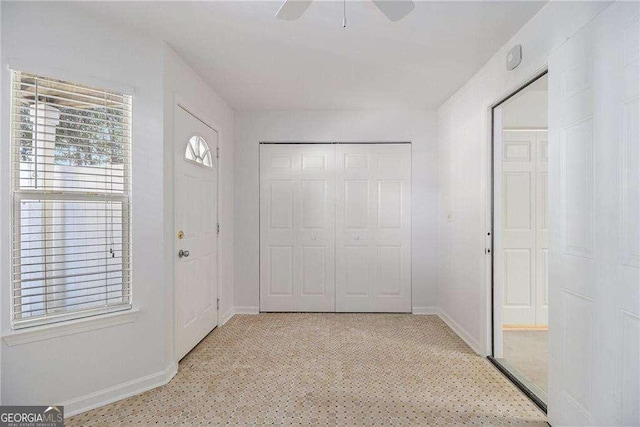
column 71, row 158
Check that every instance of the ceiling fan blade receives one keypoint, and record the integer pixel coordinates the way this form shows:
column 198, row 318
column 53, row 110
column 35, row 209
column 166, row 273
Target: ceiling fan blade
column 292, row 9
column 395, row 10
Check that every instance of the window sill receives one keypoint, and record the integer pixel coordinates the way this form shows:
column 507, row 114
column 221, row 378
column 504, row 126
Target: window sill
column 55, row 330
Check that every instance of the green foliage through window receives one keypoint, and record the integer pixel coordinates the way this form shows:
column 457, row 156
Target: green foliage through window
column 91, row 137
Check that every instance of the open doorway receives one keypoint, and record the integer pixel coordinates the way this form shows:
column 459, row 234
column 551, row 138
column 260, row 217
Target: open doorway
column 521, row 238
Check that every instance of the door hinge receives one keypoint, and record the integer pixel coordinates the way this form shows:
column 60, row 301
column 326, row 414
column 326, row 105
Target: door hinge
column 218, row 229
column 218, row 303
column 217, row 152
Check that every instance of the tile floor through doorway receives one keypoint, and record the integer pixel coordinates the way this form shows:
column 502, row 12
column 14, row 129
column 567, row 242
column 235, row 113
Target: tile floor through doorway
column 331, row 369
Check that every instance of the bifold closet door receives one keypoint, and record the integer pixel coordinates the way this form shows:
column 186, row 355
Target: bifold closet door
column 297, row 230
column 373, row 228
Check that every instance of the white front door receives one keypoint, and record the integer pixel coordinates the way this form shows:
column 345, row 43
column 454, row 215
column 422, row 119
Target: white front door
column 297, row 230
column 373, row 233
column 524, row 227
column 594, row 201
column 195, row 237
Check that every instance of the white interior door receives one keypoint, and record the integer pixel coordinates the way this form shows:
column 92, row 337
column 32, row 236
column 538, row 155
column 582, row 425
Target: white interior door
column 524, row 227
column 594, row 244
column 373, row 233
column 195, row 213
column 519, row 227
column 297, row 230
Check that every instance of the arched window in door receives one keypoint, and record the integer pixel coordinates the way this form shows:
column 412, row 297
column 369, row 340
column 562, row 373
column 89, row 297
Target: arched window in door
column 198, row 151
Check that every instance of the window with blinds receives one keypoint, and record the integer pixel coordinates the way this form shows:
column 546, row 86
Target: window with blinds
column 71, row 181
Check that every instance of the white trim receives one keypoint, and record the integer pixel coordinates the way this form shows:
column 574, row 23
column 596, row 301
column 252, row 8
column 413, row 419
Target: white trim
column 424, row 310
column 56, row 330
column 119, row 392
column 246, row 310
column 227, row 316
column 461, row 332
column 237, row 310
column 496, row 266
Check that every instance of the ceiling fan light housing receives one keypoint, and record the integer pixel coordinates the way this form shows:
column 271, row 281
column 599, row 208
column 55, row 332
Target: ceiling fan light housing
column 395, row 10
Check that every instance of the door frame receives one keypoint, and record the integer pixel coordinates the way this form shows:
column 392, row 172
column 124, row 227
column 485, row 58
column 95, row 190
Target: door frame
column 303, row 142
column 179, row 102
column 492, row 237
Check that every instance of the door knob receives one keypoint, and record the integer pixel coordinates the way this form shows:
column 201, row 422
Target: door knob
column 182, row 253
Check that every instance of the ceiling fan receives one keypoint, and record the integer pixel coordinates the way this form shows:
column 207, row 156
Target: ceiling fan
column 395, row 10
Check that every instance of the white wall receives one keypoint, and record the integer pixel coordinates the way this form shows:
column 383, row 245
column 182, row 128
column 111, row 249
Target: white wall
column 418, row 127
column 183, row 85
column 90, row 367
column 463, row 156
column 52, row 39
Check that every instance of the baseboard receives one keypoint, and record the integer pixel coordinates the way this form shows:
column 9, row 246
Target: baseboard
column 246, row 310
column 237, row 310
column 119, row 392
column 460, row 331
column 227, row 316
column 424, row 310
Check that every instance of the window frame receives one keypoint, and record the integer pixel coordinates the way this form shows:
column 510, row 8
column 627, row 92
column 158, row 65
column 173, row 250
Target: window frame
column 18, row 195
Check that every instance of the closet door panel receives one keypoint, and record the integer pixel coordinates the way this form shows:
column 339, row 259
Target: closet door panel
column 297, row 231
column 373, row 228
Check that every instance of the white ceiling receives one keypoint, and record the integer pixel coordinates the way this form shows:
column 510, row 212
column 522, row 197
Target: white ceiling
column 257, row 62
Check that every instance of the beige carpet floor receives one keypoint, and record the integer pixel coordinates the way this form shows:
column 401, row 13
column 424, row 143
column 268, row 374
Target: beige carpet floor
column 331, row 369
